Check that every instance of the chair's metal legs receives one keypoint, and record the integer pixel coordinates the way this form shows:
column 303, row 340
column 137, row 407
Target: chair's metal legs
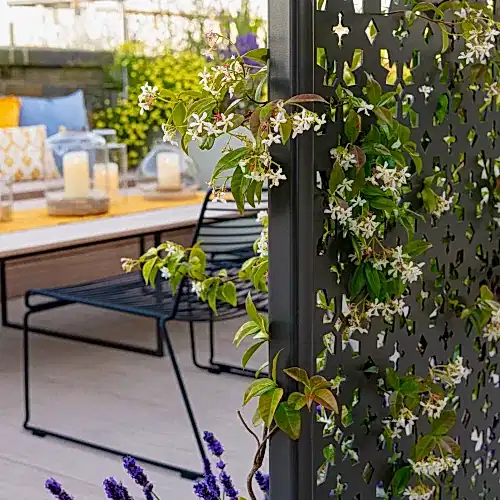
column 216, row 367
column 37, row 431
column 183, row 390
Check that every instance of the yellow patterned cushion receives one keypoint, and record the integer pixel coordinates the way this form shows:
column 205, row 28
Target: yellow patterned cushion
column 21, row 153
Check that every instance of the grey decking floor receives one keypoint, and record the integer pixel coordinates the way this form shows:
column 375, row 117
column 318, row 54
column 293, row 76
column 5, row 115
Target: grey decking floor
column 119, row 398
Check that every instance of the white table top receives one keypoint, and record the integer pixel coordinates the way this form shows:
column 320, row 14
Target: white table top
column 20, row 243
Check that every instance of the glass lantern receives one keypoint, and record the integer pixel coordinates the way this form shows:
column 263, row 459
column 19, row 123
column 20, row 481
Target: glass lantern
column 76, row 174
column 6, row 197
column 168, row 173
column 108, row 134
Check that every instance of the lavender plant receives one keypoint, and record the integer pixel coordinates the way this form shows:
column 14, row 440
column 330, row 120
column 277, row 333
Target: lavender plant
column 364, row 200
column 211, row 487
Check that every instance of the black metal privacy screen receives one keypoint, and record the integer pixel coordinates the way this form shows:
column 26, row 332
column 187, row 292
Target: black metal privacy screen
column 453, row 136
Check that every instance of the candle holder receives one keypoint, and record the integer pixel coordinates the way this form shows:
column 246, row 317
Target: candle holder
column 110, row 178
column 6, row 197
column 167, row 173
column 76, row 155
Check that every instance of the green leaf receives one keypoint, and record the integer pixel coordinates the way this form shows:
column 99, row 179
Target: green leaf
column 304, row 98
column 179, row 114
column 274, row 372
column 424, row 447
column 426, row 6
column 380, row 149
column 298, row 374
column 450, row 446
column 147, row 269
column 285, row 131
column 383, row 204
column 259, row 55
column 373, row 90
column 255, row 122
column 358, row 281
column 237, row 189
column 248, row 354
column 288, row 419
column 416, row 247
column 444, row 423
column 252, row 310
column 352, row 126
column 410, row 386
column 373, row 281
column 445, row 38
column 249, row 328
column 401, row 480
column 212, row 296
column 250, row 193
column 262, row 367
column 373, row 136
column 384, row 115
column 429, row 198
column 392, row 379
column 229, row 293
column 257, row 388
column 395, row 403
column 359, row 154
column 256, row 418
column 268, row 403
column 201, row 106
column 324, row 397
column 419, row 165
column 297, row 400
column 229, row 161
column 336, row 177
column 267, row 110
column 486, row 293
column 374, row 192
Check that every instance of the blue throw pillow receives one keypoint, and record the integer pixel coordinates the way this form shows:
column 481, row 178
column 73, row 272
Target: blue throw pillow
column 68, row 111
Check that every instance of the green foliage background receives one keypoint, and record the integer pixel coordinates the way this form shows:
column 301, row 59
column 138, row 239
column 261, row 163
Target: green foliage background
column 168, row 70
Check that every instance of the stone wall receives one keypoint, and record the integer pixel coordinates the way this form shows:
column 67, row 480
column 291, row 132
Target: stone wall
column 53, row 72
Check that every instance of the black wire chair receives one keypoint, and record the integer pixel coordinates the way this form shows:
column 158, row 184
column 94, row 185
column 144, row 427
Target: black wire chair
column 227, row 237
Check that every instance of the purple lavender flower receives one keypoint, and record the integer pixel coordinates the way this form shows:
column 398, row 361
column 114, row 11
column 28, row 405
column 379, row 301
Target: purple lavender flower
column 138, row 475
column 227, row 483
column 246, row 43
column 214, row 445
column 115, row 490
column 210, row 479
column 56, row 489
column 262, row 481
column 201, row 490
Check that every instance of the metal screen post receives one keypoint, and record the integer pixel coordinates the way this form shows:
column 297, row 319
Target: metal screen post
column 292, row 247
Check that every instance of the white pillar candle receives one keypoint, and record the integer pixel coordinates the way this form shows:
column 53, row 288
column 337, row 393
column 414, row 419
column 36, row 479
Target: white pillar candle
column 107, row 178
column 76, row 175
column 169, row 171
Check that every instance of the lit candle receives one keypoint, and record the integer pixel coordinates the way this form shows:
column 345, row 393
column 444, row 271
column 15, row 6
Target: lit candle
column 169, row 171
column 107, row 178
column 76, row 175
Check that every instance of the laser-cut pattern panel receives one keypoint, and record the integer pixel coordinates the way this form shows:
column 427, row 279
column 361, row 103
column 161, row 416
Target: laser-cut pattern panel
column 451, row 136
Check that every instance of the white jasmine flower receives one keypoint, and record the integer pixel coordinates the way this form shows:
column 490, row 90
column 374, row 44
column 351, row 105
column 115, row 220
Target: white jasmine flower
column 147, row 97
column 276, row 176
column 205, row 77
column 278, row 120
column 434, row 407
column 169, row 134
column 427, row 90
column 365, row 108
column 345, row 185
column 320, row 122
column 444, row 205
column 225, row 122
column 491, row 331
column 197, row 124
column 196, row 288
column 165, row 273
column 272, row 139
column 420, row 492
column 357, row 201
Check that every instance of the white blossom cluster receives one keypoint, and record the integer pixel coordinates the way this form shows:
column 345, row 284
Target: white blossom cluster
column 390, row 178
column 402, row 265
column 405, row 422
column 420, row 492
column 451, row 374
column 480, row 41
column 434, row 406
column 200, row 125
column 426, row 90
column 196, row 288
column 387, row 309
column 434, row 466
column 147, row 97
column 364, row 225
column 228, row 75
column 491, row 331
column 444, row 205
column 262, row 244
column 302, row 122
column 344, row 157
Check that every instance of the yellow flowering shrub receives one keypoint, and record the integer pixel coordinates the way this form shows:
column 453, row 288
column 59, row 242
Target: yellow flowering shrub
column 169, row 70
